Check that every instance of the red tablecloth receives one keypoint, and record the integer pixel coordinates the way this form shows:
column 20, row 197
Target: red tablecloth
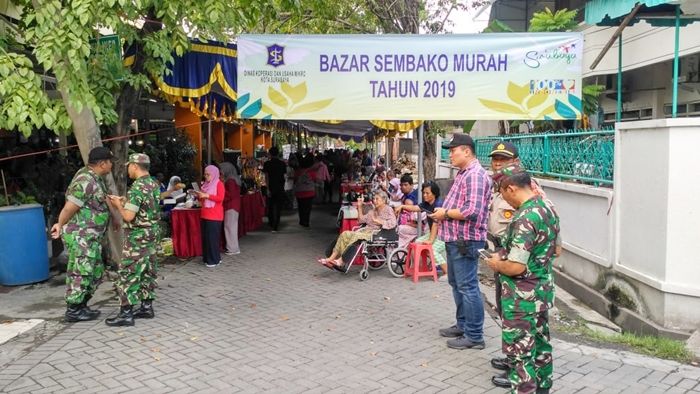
column 252, row 212
column 356, row 187
column 348, row 224
column 187, row 236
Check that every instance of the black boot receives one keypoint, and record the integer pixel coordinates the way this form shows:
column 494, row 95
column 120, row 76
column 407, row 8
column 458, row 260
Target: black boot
column 92, row 312
column 500, row 363
column 124, row 318
column 145, row 311
column 501, row 380
column 77, row 312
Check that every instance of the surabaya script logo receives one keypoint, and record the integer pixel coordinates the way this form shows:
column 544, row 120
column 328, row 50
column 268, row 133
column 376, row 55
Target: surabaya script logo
column 275, row 55
column 534, row 59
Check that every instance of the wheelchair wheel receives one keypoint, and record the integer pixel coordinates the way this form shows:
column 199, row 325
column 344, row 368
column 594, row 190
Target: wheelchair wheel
column 374, row 257
column 396, row 261
column 364, row 274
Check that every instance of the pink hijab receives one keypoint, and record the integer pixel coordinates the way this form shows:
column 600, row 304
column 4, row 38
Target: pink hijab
column 209, row 186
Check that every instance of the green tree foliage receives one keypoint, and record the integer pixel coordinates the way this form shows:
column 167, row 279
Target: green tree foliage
column 548, row 21
column 55, row 38
column 590, row 98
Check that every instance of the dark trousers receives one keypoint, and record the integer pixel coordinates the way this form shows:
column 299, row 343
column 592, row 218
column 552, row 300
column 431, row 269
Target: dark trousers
column 327, row 191
column 274, row 209
column 211, row 241
column 304, row 210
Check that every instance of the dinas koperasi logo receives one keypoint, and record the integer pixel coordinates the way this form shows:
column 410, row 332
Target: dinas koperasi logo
column 275, row 55
column 566, row 53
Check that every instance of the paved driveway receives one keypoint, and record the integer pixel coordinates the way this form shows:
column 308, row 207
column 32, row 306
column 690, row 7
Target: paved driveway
column 273, row 320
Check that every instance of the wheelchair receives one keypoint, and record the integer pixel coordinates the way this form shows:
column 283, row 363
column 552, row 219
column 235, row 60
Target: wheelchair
column 396, row 260
column 371, row 254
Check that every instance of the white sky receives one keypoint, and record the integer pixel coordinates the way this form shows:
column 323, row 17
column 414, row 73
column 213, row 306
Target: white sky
column 464, row 23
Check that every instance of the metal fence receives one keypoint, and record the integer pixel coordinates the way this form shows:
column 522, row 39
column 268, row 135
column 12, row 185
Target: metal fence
column 582, row 155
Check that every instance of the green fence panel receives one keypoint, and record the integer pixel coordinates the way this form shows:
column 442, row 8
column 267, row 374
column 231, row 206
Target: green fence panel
column 582, row 155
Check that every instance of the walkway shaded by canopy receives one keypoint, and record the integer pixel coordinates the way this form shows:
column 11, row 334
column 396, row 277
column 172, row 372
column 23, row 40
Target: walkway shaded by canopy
column 356, row 130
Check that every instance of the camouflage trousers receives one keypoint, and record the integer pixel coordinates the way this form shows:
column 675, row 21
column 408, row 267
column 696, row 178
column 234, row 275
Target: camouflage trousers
column 138, row 270
column 85, row 267
column 526, row 344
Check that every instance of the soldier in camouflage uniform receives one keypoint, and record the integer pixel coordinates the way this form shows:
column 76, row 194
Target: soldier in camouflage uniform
column 138, row 269
column 83, row 222
column 525, row 268
column 504, row 154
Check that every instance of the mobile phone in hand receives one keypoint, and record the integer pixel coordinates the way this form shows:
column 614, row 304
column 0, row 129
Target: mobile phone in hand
column 426, row 209
column 484, row 254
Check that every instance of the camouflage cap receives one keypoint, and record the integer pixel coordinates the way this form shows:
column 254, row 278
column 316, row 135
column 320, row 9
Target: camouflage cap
column 139, row 158
column 505, row 173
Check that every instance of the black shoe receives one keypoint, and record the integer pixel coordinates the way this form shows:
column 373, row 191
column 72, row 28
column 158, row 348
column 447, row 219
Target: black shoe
column 451, row 332
column 462, row 343
column 500, row 363
column 94, row 313
column 501, row 380
column 145, row 311
column 78, row 312
column 542, row 390
column 124, row 318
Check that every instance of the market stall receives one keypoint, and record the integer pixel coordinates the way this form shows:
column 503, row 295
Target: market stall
column 186, row 233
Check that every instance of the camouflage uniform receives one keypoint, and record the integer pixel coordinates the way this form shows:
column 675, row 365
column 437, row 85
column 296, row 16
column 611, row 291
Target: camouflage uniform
column 82, row 235
column 529, row 239
column 138, row 268
column 500, row 215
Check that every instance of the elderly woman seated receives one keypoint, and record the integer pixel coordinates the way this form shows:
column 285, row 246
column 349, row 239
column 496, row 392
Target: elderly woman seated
column 380, row 217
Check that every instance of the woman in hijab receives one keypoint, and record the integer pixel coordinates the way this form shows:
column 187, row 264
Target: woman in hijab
column 211, row 197
column 173, row 186
column 232, row 206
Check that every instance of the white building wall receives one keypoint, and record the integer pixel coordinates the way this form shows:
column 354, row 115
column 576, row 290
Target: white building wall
column 656, row 202
column 642, row 45
column 586, row 219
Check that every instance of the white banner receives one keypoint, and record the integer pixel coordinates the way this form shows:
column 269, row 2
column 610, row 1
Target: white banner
column 404, row 77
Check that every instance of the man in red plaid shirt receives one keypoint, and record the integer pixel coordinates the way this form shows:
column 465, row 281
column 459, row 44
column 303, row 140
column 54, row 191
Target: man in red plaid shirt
column 463, row 221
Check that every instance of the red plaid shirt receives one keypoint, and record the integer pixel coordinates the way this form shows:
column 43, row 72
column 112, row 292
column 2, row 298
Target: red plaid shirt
column 470, row 193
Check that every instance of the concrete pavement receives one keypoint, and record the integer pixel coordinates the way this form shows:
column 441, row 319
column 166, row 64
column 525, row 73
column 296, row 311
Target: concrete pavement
column 273, row 320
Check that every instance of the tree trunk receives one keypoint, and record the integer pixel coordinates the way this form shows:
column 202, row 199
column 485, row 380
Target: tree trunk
column 125, row 106
column 429, row 154
column 127, row 102
column 87, row 134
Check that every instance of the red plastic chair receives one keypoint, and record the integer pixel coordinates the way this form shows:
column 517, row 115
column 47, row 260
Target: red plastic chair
column 420, row 261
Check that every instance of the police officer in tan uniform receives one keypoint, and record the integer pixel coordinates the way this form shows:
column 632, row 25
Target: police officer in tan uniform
column 502, row 155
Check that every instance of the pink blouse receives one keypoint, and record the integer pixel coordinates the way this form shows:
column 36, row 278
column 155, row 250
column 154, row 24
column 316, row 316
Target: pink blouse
column 385, row 214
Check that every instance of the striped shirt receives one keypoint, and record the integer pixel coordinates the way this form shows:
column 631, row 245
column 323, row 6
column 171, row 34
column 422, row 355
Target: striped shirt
column 470, row 193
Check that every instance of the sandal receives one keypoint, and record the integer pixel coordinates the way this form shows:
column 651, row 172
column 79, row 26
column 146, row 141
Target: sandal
column 339, row 268
column 326, row 263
